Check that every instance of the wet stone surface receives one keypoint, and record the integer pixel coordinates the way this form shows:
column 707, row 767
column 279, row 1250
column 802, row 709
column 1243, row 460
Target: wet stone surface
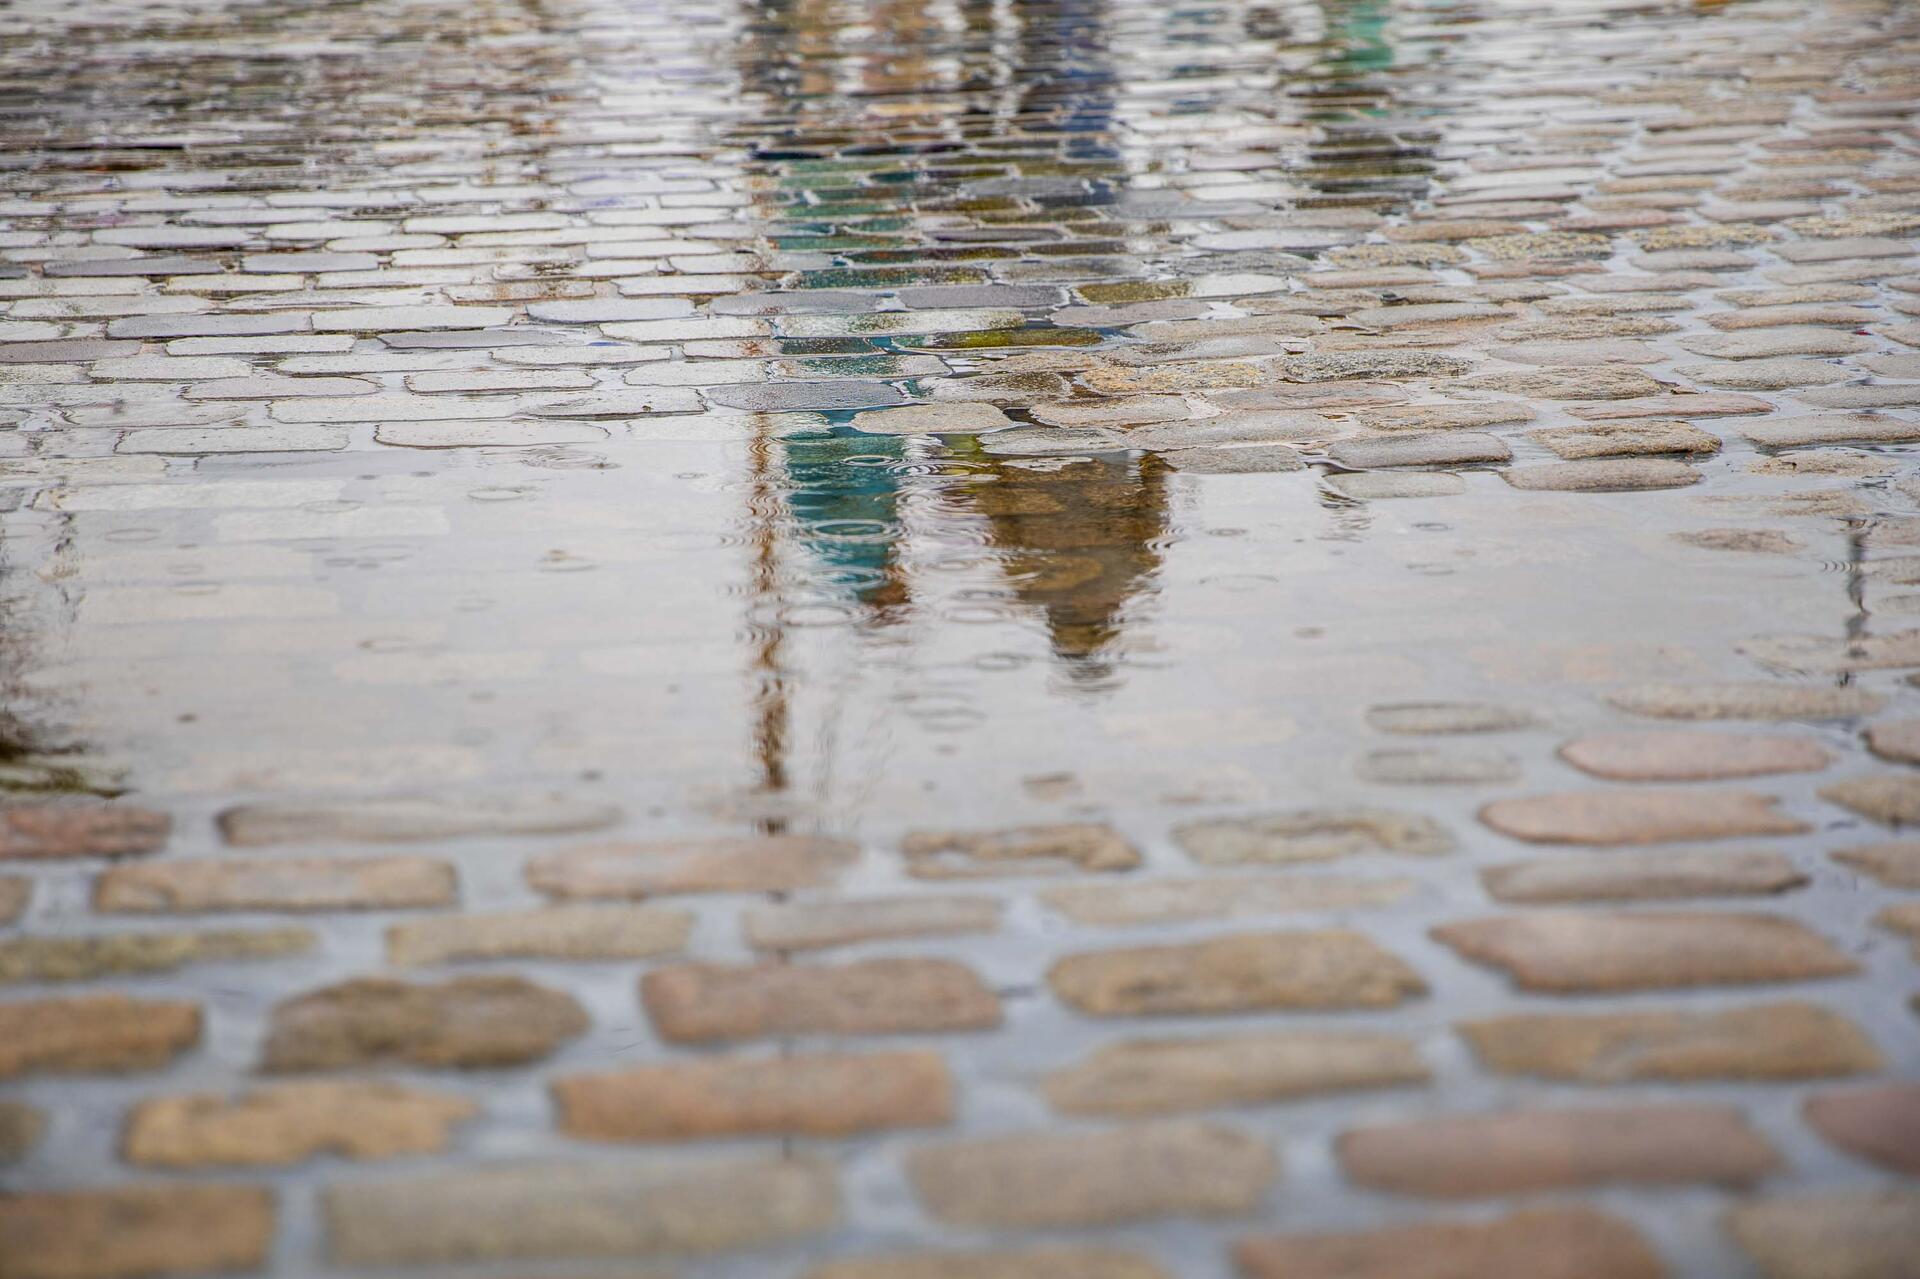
column 1062, row 639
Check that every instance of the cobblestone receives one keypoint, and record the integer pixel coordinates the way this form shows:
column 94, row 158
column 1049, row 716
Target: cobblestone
column 1481, row 1155
column 1574, row 951
column 1077, row 1179
column 814, row 1096
column 94, row 1034
column 861, row 641
column 1541, row 1243
column 136, row 1230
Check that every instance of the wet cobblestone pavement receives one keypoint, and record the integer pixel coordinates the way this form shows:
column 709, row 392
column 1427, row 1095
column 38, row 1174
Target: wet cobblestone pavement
column 977, row 639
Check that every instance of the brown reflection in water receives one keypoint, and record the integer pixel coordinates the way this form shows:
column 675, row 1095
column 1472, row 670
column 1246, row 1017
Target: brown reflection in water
column 1079, row 542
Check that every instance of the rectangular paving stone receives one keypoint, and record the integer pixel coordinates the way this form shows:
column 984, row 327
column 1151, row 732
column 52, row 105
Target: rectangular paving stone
column 462, row 435
column 1845, row 1234
column 74, row 351
column 1581, row 951
column 881, row 323
column 818, row 925
column 283, row 884
column 786, row 397
column 1879, row 1123
column 401, row 407
column 1037, row 1263
column 1830, row 428
column 1025, row 850
column 196, row 441
column 795, row 1096
column 380, row 319
column 380, row 819
column 1064, row 1179
column 1538, row 1243
column 1895, row 864
column 688, row 329
column 1746, row 699
column 1222, row 897
column 138, row 1230
column 59, row 831
column 1242, row 973
column 1529, row 1151
column 287, row 1123
column 231, row 324
column 519, row 1210
column 1625, row 815
column 1161, row 1076
column 21, row 1128
column 588, row 933
column 763, row 863
column 168, row 368
column 467, row 1022
column 47, row 959
column 272, row 387
column 704, row 1003
column 1421, row 449
column 1790, row 1040
column 1641, row 876
column 15, row 892
column 93, row 1034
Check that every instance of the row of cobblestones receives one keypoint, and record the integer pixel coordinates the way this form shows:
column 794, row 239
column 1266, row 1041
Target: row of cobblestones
column 1323, row 621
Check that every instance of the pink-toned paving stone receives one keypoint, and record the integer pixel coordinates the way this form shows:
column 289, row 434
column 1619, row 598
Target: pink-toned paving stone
column 52, row 832
column 375, row 1021
column 1850, row 1234
column 1687, row 756
column 1527, row 1151
column 1877, row 1122
column 794, row 1095
column 1649, row 876
column 1243, row 973
column 1057, row 1179
column 1583, row 951
column 138, row 1230
column 702, row 1003
column 1638, row 816
column 1793, row 1040
column 94, row 1034
column 293, row 884
column 285, row 1123
column 1895, row 864
column 1539, row 1243
column 1038, row 1263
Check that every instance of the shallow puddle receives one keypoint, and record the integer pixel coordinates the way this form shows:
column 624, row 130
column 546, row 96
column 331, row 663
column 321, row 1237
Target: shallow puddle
column 783, row 639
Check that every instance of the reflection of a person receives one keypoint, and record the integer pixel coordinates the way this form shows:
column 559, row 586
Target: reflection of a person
column 1076, row 542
